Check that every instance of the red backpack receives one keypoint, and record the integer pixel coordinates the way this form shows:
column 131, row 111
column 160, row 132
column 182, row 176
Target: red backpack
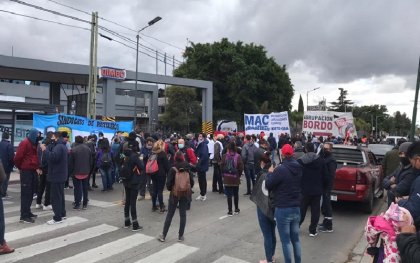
column 152, row 164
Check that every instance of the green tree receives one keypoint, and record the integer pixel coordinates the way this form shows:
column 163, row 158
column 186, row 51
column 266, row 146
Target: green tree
column 342, row 104
column 182, row 112
column 301, row 108
column 244, row 79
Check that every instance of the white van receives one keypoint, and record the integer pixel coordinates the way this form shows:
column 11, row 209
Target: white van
column 393, row 140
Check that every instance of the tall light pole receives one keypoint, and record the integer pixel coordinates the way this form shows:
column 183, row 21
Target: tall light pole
column 307, row 95
column 150, row 23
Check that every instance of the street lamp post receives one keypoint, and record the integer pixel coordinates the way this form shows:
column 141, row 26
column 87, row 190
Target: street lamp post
column 150, row 23
column 307, row 95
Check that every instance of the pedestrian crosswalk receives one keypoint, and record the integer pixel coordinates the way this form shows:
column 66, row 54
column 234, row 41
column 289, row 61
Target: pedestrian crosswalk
column 41, row 241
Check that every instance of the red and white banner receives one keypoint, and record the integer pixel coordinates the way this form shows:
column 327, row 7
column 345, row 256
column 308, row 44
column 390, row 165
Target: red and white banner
column 329, row 123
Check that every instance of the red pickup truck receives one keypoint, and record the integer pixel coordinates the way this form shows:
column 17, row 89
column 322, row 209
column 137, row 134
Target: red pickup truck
column 358, row 176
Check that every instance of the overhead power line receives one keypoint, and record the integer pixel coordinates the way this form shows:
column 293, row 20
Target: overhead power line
column 45, row 20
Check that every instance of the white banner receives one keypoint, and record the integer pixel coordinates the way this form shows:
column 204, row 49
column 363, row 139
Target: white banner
column 275, row 122
column 329, row 123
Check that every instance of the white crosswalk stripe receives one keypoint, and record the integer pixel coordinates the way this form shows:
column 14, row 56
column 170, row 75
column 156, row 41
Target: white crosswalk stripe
column 14, row 219
column 58, row 242
column 92, row 202
column 11, row 209
column 7, row 202
column 107, row 250
column 44, row 228
column 170, row 254
column 227, row 259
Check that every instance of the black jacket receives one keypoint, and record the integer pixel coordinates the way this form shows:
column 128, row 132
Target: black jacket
column 163, row 164
column 285, row 183
column 136, row 179
column 314, row 178
column 409, row 247
column 6, row 155
column 330, row 168
column 57, row 157
column 80, row 160
column 170, row 180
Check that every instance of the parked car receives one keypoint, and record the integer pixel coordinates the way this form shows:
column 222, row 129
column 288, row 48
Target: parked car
column 379, row 150
column 393, row 140
column 358, row 176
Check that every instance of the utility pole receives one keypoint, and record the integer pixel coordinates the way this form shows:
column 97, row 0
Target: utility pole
column 93, row 66
column 157, row 62
column 173, row 64
column 416, row 98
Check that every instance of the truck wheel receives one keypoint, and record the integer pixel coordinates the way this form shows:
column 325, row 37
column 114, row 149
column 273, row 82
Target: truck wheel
column 368, row 204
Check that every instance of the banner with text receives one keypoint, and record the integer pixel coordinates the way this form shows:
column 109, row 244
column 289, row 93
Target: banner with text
column 76, row 125
column 329, row 123
column 275, row 122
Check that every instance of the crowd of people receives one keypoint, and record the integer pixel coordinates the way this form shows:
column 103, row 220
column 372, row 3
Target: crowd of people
column 282, row 191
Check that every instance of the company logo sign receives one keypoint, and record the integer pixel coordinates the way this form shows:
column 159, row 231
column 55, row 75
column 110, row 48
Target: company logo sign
column 112, row 73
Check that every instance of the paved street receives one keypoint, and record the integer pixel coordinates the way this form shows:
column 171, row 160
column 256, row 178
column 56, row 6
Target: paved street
column 96, row 234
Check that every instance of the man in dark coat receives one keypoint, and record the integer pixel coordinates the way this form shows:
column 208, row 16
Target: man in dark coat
column 6, row 156
column 273, row 147
column 408, row 242
column 202, row 153
column 313, row 182
column 330, row 167
column 57, row 157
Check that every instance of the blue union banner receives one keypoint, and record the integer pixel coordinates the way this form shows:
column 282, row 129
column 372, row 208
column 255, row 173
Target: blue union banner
column 275, row 122
column 76, row 125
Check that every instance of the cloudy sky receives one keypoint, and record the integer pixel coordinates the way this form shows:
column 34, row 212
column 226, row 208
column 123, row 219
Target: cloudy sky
column 370, row 48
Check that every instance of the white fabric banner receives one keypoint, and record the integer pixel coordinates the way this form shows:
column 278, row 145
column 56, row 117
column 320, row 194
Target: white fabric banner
column 329, row 123
column 275, row 122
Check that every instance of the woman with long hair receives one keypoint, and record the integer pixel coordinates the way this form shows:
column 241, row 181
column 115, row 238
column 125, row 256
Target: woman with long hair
column 158, row 178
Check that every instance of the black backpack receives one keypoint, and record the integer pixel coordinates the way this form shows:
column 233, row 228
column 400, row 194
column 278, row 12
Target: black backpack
column 126, row 171
column 106, row 160
column 231, row 163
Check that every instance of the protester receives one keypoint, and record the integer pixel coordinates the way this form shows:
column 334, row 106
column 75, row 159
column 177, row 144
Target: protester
column 57, row 157
column 4, row 247
column 273, row 147
column 298, row 150
column 65, row 136
column 398, row 183
column 248, row 160
column 217, row 160
column 330, row 168
column 202, row 153
column 115, row 149
column 259, row 153
column 265, row 209
column 80, row 163
column 132, row 171
column 285, row 183
column 210, row 146
column 313, row 182
column 91, row 143
column 232, row 168
column 104, row 161
column 145, row 152
column 408, row 243
column 6, row 156
column 158, row 178
column 180, row 182
column 26, row 160
column 44, row 185
column 391, row 159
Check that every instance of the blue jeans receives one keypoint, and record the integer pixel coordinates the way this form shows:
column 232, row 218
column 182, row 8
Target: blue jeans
column 250, row 176
column 268, row 229
column 106, row 177
column 2, row 224
column 158, row 183
column 288, row 226
column 273, row 154
column 5, row 185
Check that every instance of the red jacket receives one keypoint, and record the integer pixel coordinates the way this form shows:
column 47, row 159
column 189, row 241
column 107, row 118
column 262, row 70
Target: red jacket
column 26, row 157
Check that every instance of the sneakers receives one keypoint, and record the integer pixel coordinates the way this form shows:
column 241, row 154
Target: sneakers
column 237, row 211
column 27, row 220
column 5, row 249
column 34, row 197
column 127, row 223
column 154, row 209
column 314, row 234
column 53, row 222
column 204, row 198
column 229, row 213
column 136, row 227
column 162, row 210
column 47, row 207
column 84, row 207
column 199, row 198
column 94, row 186
column 325, row 229
column 180, row 238
column 33, row 216
column 161, row 238
column 247, row 193
column 38, row 206
column 76, row 207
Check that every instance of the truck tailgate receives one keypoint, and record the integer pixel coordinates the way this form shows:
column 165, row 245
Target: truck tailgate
column 345, row 179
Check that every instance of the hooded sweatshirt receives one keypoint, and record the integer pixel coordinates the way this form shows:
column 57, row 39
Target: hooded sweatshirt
column 314, row 177
column 26, row 157
column 285, row 184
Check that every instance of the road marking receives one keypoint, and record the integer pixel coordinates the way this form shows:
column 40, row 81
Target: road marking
column 58, row 242
column 44, row 228
column 109, row 249
column 170, row 254
column 7, row 203
column 11, row 209
column 223, row 217
column 92, row 202
column 13, row 190
column 15, row 219
column 227, row 259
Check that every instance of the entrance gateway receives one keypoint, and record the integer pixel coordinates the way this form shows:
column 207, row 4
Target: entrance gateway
column 112, row 104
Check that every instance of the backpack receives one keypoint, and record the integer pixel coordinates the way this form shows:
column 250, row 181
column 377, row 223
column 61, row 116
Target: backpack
column 152, row 164
column 106, row 160
column 126, row 173
column 250, row 153
column 230, row 168
column 182, row 186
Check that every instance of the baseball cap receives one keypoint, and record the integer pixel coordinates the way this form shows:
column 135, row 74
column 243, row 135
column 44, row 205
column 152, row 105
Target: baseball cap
column 287, row 149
